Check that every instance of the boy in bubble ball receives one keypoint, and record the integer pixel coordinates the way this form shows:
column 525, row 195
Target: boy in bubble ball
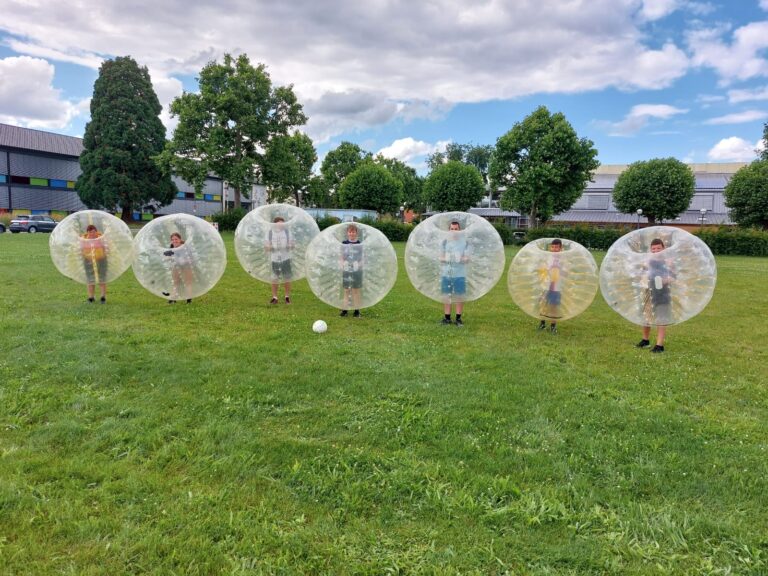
column 657, row 300
column 552, row 276
column 352, row 271
column 454, row 255
column 279, row 245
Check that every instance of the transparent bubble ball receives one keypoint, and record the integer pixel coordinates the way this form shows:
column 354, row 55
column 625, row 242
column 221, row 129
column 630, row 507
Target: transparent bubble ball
column 436, row 259
column 179, row 273
column 662, row 288
column 351, row 276
column 97, row 260
column 275, row 251
column 551, row 285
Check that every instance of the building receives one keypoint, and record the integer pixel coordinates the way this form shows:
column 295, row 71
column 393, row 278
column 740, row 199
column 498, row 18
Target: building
column 707, row 208
column 38, row 171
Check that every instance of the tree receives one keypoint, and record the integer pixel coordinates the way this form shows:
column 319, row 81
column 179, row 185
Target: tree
column 746, row 194
column 764, row 152
column 121, row 139
column 227, row 126
column 318, row 192
column 542, row 165
column 453, row 186
column 412, row 183
column 340, row 163
column 371, row 187
column 472, row 154
column 662, row 188
column 288, row 166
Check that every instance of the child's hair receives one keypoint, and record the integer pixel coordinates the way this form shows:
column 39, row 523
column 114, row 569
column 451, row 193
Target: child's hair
column 455, row 222
column 278, row 219
column 657, row 242
column 556, row 242
column 178, row 236
column 352, row 227
column 91, row 228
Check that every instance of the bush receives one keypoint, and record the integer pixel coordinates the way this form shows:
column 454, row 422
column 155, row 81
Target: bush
column 592, row 238
column 736, row 241
column 394, row 230
column 327, row 222
column 229, row 220
column 511, row 236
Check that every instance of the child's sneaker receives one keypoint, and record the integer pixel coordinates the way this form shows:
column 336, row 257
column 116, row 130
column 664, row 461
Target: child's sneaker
column 542, row 325
column 657, row 349
column 287, row 299
column 459, row 323
column 344, row 313
column 356, row 314
column 553, row 329
column 643, row 344
column 90, row 300
column 103, row 300
column 274, row 300
column 446, row 321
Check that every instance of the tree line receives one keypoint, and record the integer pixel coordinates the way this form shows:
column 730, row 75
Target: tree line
column 244, row 129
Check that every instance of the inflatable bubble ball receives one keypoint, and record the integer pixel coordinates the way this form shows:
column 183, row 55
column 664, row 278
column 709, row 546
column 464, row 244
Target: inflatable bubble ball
column 271, row 242
column 91, row 247
column 553, row 279
column 351, row 266
column 658, row 276
column 179, row 257
column 454, row 257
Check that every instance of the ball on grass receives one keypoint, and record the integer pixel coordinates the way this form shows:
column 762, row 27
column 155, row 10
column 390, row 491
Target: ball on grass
column 319, row 327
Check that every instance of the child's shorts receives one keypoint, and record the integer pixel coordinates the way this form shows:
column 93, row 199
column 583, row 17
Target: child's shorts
column 450, row 285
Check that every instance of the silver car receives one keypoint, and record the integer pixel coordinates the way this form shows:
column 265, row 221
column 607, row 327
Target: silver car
column 32, row 224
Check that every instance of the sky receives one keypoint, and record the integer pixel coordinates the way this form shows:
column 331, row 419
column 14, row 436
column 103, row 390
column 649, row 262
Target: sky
column 642, row 79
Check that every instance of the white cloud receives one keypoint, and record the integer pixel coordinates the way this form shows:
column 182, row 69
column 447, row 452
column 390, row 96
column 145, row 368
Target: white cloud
column 166, row 89
column 639, row 116
column 764, row 4
column 739, row 117
column 417, row 58
column 741, row 59
column 406, row 149
column 28, row 98
column 655, row 9
column 734, row 149
column 738, row 96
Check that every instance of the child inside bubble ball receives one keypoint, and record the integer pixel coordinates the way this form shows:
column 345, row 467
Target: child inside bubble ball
column 279, row 246
column 181, row 268
column 551, row 274
column 657, row 299
column 454, row 255
column 351, row 263
column 94, row 252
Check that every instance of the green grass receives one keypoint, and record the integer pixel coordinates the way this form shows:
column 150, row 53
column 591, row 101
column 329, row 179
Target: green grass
column 225, row 437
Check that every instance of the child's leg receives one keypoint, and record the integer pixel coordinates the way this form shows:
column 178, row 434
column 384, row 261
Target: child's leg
column 661, row 332
column 91, row 290
column 274, row 289
column 287, row 289
column 646, row 332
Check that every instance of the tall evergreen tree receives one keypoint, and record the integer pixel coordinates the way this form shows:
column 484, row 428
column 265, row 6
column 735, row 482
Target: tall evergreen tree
column 121, row 139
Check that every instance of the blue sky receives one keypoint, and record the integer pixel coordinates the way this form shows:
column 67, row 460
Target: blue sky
column 640, row 78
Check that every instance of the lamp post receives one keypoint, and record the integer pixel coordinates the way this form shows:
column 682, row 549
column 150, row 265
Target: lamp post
column 703, row 212
column 639, row 213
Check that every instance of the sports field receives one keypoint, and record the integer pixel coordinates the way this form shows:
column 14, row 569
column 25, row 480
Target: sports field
column 225, row 437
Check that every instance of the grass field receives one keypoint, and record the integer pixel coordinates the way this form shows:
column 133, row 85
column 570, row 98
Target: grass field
column 224, row 437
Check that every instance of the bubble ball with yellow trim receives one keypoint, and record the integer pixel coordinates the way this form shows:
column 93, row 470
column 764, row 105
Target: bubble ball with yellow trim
column 179, row 257
column 271, row 242
column 91, row 247
column 658, row 276
column 553, row 279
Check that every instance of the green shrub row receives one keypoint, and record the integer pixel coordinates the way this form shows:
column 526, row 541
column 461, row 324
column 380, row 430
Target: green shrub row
column 592, row 238
column 736, row 241
column 229, row 220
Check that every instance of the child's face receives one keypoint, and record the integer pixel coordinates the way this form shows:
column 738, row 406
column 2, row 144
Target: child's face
column 454, row 227
column 555, row 247
column 352, row 234
column 175, row 240
column 656, row 248
column 92, row 233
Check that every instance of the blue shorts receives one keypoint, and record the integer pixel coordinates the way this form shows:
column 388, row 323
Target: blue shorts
column 450, row 285
column 553, row 298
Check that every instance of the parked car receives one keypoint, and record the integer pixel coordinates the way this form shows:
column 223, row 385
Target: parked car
column 32, row 224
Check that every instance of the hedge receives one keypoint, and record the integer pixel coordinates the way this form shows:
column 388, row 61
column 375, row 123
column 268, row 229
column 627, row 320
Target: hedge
column 736, row 241
column 229, row 220
column 592, row 238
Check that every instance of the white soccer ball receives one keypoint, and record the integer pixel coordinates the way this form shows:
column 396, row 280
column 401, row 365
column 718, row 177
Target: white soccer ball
column 319, row 327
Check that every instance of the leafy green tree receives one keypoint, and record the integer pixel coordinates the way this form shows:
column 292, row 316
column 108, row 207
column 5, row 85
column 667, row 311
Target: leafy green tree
column 453, row 152
column 340, row 163
column 453, row 186
column 288, row 166
column 764, row 153
column 227, row 126
column 412, row 183
column 661, row 187
column 371, row 187
column 472, row 154
column 746, row 194
column 542, row 165
column 318, row 193
column 121, row 139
